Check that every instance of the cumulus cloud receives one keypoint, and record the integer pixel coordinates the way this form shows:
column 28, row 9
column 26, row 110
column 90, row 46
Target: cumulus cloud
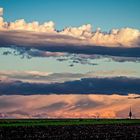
column 45, row 36
column 97, row 85
column 23, row 26
column 44, row 40
column 83, row 32
column 125, row 37
column 83, row 35
column 95, row 106
column 117, row 37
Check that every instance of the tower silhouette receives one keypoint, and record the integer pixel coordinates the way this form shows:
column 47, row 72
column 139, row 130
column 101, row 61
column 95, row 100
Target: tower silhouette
column 130, row 113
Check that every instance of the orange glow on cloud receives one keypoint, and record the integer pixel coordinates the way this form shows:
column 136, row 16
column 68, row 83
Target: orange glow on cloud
column 69, row 106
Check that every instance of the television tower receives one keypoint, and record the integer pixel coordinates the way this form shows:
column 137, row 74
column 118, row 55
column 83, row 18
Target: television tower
column 130, row 113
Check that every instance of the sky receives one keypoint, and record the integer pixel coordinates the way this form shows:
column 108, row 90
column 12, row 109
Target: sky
column 77, row 58
column 105, row 14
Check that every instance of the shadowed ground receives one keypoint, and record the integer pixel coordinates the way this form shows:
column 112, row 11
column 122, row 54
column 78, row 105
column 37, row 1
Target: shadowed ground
column 65, row 129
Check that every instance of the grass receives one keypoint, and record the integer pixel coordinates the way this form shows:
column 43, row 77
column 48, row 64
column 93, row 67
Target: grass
column 58, row 122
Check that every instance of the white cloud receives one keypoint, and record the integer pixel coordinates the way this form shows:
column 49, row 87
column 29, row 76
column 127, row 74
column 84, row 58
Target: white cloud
column 44, row 37
column 33, row 26
column 82, row 32
column 83, row 35
column 117, row 37
column 125, row 37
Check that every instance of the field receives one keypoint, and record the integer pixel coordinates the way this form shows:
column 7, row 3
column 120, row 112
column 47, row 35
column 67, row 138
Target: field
column 69, row 129
column 57, row 122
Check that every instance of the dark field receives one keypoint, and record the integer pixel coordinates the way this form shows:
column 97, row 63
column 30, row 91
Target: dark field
column 106, row 129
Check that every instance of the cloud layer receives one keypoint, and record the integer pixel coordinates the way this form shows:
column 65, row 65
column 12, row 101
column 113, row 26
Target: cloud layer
column 40, row 77
column 97, row 85
column 46, row 34
column 44, row 37
column 47, row 77
column 66, row 106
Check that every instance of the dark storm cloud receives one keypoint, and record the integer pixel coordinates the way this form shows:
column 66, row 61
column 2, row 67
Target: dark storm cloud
column 118, row 85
